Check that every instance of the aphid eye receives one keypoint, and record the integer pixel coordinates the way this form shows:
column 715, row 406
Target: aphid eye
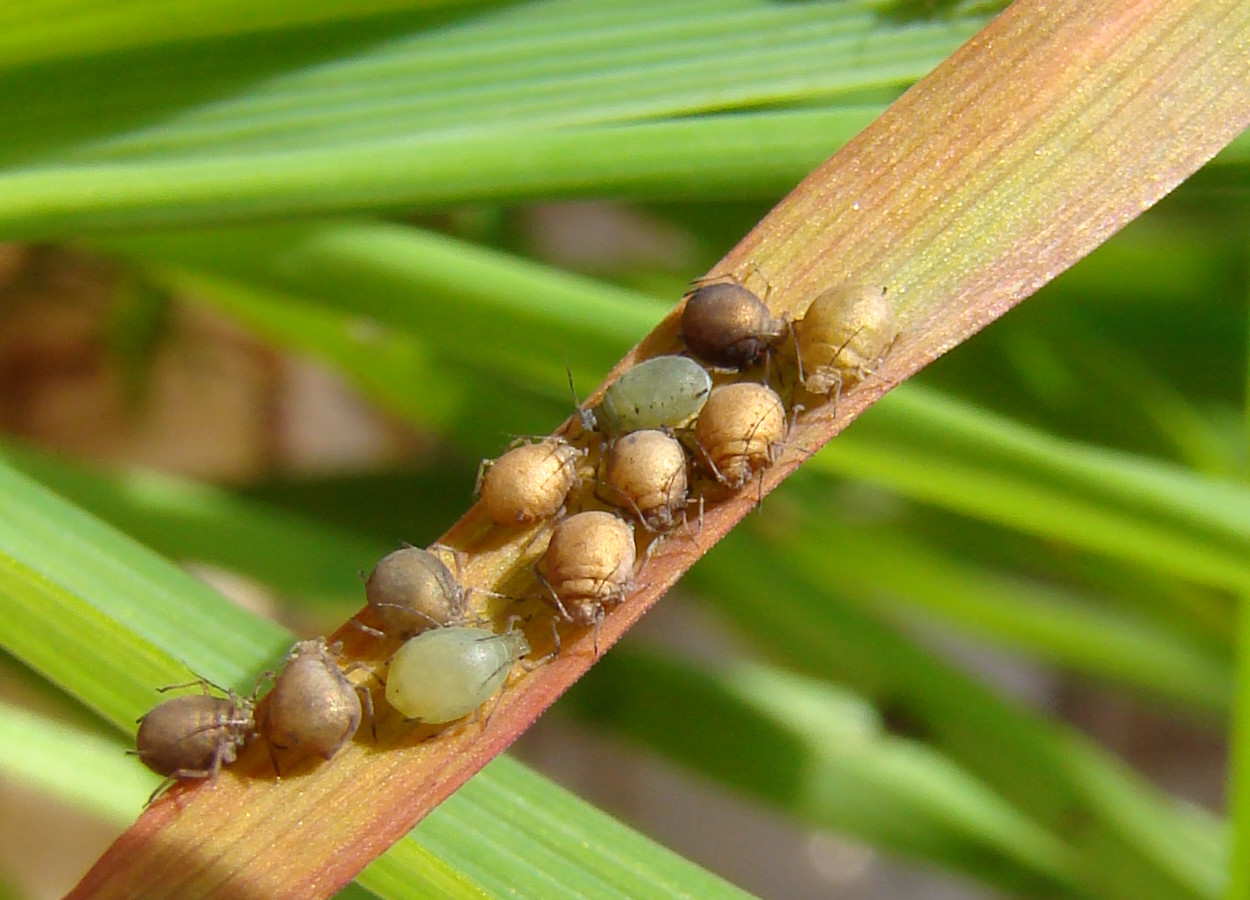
column 411, row 590
column 446, row 673
column 728, row 326
column 661, row 392
column 843, row 336
column 529, row 482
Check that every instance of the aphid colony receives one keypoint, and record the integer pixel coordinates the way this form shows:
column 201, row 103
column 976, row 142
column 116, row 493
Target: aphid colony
column 671, row 434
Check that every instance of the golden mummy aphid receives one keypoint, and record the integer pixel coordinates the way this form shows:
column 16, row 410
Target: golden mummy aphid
column 843, row 336
column 644, row 473
column 588, row 565
column 529, row 482
column 738, row 431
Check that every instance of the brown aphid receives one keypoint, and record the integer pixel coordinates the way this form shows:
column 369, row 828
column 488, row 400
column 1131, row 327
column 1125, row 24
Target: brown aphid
column 588, row 565
column 645, row 472
column 727, row 326
column 529, row 482
column 738, row 430
column 194, row 736
column 843, row 336
column 411, row 590
column 312, row 707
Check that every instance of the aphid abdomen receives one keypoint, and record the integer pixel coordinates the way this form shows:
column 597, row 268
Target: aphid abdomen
column 661, row 392
column 446, row 673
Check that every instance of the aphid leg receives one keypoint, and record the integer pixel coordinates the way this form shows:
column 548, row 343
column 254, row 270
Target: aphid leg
column 482, row 468
column 273, row 758
column 564, row 613
column 367, row 629
column 366, row 704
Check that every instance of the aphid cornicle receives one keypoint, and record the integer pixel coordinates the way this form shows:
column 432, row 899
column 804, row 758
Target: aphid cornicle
column 194, row 736
column 446, row 673
column 645, row 473
column 312, row 707
column 727, row 326
column 529, row 482
column 738, row 430
column 843, row 336
column 588, row 565
column 411, row 590
column 661, row 392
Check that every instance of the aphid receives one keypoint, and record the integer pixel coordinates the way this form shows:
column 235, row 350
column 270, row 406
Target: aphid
column 738, row 430
column 312, row 706
column 446, row 673
column 843, row 336
column 661, row 392
column 411, row 590
column 726, row 325
column 194, row 736
column 529, row 482
column 645, row 472
column 588, row 565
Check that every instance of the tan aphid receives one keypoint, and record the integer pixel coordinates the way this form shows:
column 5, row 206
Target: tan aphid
column 194, row 736
column 843, row 336
column 529, row 482
column 645, row 472
column 588, row 565
column 411, row 590
column 312, row 707
column 738, row 430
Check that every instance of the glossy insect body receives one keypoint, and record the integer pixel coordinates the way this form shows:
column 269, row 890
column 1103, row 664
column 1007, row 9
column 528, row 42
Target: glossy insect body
column 588, row 565
column 662, row 392
column 726, row 325
column 645, row 472
column 738, row 431
column 411, row 590
column 843, row 336
column 446, row 673
column 312, row 706
column 194, row 736
column 529, row 482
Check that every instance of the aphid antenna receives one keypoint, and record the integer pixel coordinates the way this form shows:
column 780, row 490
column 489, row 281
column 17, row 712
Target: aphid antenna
column 199, row 681
column 367, row 629
column 587, row 416
column 433, row 622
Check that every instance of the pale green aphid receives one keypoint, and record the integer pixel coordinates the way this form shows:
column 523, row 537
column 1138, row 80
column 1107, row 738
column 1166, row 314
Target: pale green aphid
column 662, row 392
column 446, row 673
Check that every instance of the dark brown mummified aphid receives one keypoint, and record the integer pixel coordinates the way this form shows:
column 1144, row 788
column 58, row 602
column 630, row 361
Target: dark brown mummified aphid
column 739, row 430
column 728, row 326
column 313, row 707
column 195, row 735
